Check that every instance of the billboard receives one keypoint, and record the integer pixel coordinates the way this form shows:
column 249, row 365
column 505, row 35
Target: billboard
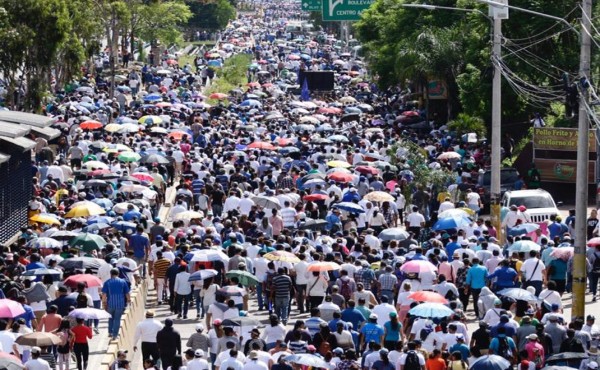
column 563, row 170
column 564, row 139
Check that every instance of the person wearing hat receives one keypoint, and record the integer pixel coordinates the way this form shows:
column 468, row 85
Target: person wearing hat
column 535, row 351
column 594, row 356
column 523, row 331
column 371, row 331
column 146, row 331
column 460, row 346
column 36, row 363
column 557, row 332
column 255, row 342
column 121, row 356
column 198, row 340
column 253, row 362
column 512, row 217
column 198, row 362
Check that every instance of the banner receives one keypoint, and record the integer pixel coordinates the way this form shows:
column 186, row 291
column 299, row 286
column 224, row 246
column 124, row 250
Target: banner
column 551, row 138
column 563, row 170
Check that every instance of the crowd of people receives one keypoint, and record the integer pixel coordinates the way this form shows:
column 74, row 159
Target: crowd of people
column 306, row 209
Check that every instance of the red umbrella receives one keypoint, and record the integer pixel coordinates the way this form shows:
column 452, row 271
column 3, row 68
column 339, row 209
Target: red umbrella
column 594, row 242
column 253, row 84
column 367, row 170
column 90, row 125
column 341, row 177
column 172, row 61
column 10, row 309
column 323, row 266
column 177, row 135
column 218, row 96
column 99, row 172
column 283, row 141
column 261, row 145
column 89, row 280
column 410, row 113
column 314, row 197
column 329, row 110
column 142, row 176
column 424, row 296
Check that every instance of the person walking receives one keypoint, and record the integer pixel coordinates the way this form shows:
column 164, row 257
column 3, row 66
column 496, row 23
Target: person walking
column 63, row 350
column 115, row 299
column 281, row 294
column 183, row 290
column 81, row 347
column 147, row 330
column 169, row 344
column 476, row 280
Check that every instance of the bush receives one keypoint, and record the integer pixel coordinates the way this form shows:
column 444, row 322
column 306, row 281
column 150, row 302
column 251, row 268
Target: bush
column 465, row 124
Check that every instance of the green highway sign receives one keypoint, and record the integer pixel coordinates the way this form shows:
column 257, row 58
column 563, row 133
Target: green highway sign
column 344, row 10
column 311, row 5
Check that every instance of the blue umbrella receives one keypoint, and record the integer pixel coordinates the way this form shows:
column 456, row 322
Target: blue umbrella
column 297, row 163
column 349, row 207
column 288, row 150
column 214, row 63
column 251, row 103
column 153, row 97
column 340, row 138
column 42, row 272
column 89, row 106
column 148, row 106
column 394, row 233
column 104, row 203
column 202, row 274
column 101, row 219
column 352, row 110
column 96, row 227
column 523, row 229
column 491, row 362
column 451, row 223
column 524, row 246
column 431, row 310
column 519, row 294
column 121, row 120
column 124, row 89
column 124, row 225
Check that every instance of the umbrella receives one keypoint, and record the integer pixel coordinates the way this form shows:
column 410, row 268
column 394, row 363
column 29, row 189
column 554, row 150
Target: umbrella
column 63, row 235
column 524, row 246
column 244, row 277
column 90, row 281
column 189, row 215
column 282, row 256
column 491, row 362
column 123, row 207
column 150, row 120
column 93, row 228
column 567, row 356
column 91, row 125
column 10, row 308
column 394, row 233
column 82, row 263
column 525, row 228
column 103, row 202
column 129, row 157
column 418, row 266
column 203, row 275
column 45, row 218
column 152, row 97
column 43, row 272
column 379, row 196
column 90, row 314
column 341, row 177
column 454, row 212
column 365, row 170
column 124, row 226
column 451, row 223
column 209, row 255
column 564, row 253
column 347, row 100
column 154, row 158
column 342, row 164
column 315, row 197
column 267, row 202
column 39, row 339
column 142, row 176
column 240, row 321
column 314, row 182
column 593, row 242
column 159, row 130
column 312, row 224
column 349, row 207
column 518, row 294
column 10, row 362
column 218, row 96
column 88, row 242
column 43, row 243
column 425, row 296
column 323, row 266
column 308, row 360
column 132, row 188
column 431, row 310
column 85, row 210
column 449, row 155
column 129, row 128
column 261, row 145
column 230, row 290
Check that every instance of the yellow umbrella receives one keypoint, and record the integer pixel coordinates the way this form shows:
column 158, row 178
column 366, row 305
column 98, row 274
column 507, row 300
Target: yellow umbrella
column 341, row 164
column 282, row 256
column 45, row 219
column 85, row 210
column 112, row 127
column 379, row 196
column 468, row 210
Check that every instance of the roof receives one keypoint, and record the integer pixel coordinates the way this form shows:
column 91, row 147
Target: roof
column 47, row 133
column 23, row 118
column 21, row 142
column 4, row 158
column 13, row 130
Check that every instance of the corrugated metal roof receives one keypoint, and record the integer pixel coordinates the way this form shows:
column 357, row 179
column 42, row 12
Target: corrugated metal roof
column 47, row 133
column 13, row 130
column 22, row 142
column 31, row 119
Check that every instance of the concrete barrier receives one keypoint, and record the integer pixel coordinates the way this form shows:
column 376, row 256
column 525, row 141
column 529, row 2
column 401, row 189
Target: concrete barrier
column 134, row 313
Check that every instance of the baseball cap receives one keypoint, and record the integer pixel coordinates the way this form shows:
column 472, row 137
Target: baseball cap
column 591, row 365
column 36, row 350
column 373, row 316
column 338, row 350
column 199, row 353
column 384, row 351
column 532, row 336
column 199, row 327
column 217, row 322
column 460, row 337
column 158, row 237
column 591, row 317
column 253, row 355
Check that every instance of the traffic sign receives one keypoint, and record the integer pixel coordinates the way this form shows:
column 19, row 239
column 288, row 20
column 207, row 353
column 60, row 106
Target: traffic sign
column 311, row 5
column 344, row 10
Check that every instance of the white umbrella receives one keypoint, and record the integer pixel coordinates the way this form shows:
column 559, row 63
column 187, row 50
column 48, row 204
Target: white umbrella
column 90, row 314
column 123, row 207
column 267, row 202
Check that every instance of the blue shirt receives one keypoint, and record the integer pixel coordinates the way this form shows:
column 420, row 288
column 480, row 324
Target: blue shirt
column 116, row 289
column 354, row 316
column 312, row 325
column 130, row 215
column 495, row 344
column 504, row 277
column 333, row 325
column 34, row 266
column 451, row 247
column 28, row 315
column 372, row 332
column 476, row 276
column 462, row 348
column 139, row 242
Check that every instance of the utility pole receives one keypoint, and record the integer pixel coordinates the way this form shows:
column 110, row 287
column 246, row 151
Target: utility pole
column 581, row 186
column 496, row 125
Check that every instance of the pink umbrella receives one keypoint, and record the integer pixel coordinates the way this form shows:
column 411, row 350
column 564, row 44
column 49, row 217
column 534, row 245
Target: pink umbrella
column 10, row 308
column 564, row 253
column 418, row 266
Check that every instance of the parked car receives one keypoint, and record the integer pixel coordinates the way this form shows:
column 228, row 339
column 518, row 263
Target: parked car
column 540, row 204
column 508, row 177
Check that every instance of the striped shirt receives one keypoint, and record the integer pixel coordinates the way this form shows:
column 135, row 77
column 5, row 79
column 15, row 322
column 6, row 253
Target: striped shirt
column 388, row 281
column 197, row 186
column 282, row 285
column 288, row 215
column 115, row 289
column 161, row 266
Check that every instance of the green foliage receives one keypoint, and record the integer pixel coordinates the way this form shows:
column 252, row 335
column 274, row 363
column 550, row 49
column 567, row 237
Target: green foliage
column 161, row 21
column 556, row 117
column 231, row 76
column 210, row 15
column 465, row 124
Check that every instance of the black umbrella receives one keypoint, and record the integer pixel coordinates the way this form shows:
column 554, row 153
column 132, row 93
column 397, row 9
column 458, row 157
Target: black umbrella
column 241, row 321
column 315, row 175
column 567, row 356
column 350, row 117
column 81, row 263
column 154, row 158
column 129, row 178
column 312, row 224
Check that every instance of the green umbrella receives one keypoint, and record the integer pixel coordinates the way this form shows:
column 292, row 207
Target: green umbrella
column 129, row 157
column 88, row 242
column 244, row 277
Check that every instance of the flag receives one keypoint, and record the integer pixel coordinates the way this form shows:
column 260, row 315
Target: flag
column 305, row 94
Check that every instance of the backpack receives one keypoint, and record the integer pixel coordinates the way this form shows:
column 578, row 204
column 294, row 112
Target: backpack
column 596, row 265
column 412, row 361
column 81, row 301
column 345, row 290
column 324, row 347
column 504, row 348
column 424, row 333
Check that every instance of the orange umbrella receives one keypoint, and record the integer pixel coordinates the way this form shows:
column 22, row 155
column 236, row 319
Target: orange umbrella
column 261, row 145
column 424, row 296
column 218, row 96
column 253, row 84
column 341, row 177
column 164, row 104
column 284, row 141
column 90, row 125
column 178, row 135
column 323, row 266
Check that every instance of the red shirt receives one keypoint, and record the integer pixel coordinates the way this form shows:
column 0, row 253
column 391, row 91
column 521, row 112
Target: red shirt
column 82, row 333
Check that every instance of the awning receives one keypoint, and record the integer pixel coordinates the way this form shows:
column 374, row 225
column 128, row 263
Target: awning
column 13, row 130
column 20, row 142
column 47, row 133
column 23, row 118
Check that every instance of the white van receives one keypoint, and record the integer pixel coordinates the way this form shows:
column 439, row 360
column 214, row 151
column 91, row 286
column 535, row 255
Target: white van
column 539, row 203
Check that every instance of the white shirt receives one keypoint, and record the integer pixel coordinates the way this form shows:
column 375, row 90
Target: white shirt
column 231, row 203
column 444, row 206
column 182, row 285
column 530, row 272
column 232, row 363
column 551, row 296
column 402, row 359
column 37, row 364
column 197, row 364
column 245, row 205
column 147, row 330
column 301, row 270
column 255, row 365
column 383, row 312
column 415, row 219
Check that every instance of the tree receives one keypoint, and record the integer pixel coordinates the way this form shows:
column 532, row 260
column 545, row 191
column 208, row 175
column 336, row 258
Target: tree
column 465, row 124
column 211, row 15
column 162, row 21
